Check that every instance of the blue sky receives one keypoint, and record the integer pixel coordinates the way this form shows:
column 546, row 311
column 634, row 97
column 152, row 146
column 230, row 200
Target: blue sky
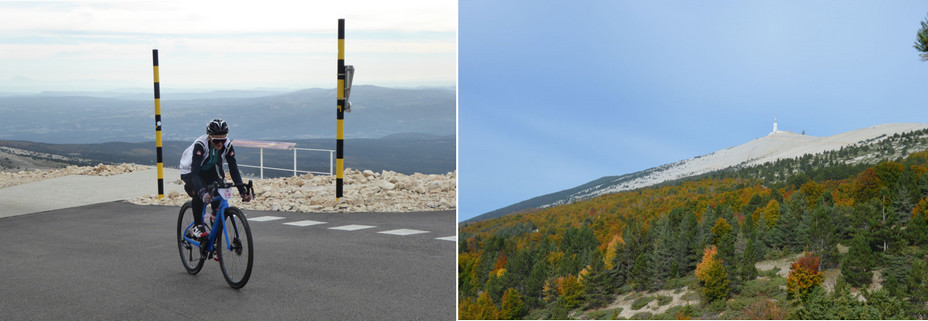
column 105, row 45
column 553, row 94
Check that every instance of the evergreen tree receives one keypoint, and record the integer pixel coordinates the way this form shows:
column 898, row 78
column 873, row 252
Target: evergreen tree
column 917, row 230
column 687, row 251
column 661, row 260
column 843, row 305
column 495, row 286
column 595, row 283
column 828, row 199
column 748, row 270
column 888, row 307
column 618, row 274
column 817, row 307
column 703, row 233
column 882, row 231
column 722, row 238
column 822, row 236
column 560, row 310
column 637, row 245
column 640, row 275
column 535, row 282
column 917, row 289
column 857, row 265
column 754, row 203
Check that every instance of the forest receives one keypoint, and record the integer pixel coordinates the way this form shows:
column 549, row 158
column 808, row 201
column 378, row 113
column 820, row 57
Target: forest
column 866, row 226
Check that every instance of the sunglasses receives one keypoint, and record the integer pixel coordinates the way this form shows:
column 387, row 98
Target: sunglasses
column 219, row 140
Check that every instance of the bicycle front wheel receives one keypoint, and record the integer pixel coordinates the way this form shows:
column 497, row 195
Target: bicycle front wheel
column 189, row 254
column 235, row 248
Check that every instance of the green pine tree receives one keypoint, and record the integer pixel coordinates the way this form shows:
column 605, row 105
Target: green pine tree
column 748, row 270
column 857, row 265
column 640, row 275
column 687, row 251
column 660, row 259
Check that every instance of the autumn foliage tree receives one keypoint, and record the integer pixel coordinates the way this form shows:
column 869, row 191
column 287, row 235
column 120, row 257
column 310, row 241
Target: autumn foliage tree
column 512, row 307
column 712, row 275
column 772, row 212
column 867, row 186
column 482, row 309
column 557, row 259
column 804, row 276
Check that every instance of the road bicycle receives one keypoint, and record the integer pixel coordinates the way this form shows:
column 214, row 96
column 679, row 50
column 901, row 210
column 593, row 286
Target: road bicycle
column 229, row 240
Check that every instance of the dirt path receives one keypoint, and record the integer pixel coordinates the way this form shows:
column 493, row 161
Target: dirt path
column 625, row 302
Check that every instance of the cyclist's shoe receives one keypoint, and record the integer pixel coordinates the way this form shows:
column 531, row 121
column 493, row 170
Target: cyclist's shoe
column 197, row 231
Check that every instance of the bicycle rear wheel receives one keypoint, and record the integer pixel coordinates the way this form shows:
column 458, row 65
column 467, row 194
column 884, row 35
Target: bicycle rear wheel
column 189, row 254
column 235, row 248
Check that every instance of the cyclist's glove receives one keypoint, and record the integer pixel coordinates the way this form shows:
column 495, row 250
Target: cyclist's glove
column 204, row 195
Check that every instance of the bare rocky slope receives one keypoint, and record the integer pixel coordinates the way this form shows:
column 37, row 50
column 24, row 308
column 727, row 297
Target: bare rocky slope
column 365, row 191
column 775, row 146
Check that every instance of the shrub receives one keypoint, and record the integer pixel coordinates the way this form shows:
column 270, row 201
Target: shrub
column 663, row 300
column 598, row 315
column 757, row 288
column 641, row 302
column 677, row 283
column 766, row 309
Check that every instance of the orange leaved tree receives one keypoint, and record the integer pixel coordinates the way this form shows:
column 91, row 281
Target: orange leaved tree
column 712, row 275
column 804, row 276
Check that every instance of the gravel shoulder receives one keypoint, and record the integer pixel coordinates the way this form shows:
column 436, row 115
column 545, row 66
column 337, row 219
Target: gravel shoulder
column 364, row 191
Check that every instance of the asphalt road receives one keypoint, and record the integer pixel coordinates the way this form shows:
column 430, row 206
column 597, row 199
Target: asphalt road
column 120, row 261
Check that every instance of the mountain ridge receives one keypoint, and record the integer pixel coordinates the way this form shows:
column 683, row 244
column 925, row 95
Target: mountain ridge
column 302, row 114
column 775, row 146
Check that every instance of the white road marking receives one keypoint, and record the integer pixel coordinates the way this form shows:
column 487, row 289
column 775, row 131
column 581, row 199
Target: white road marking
column 352, row 227
column 304, row 223
column 448, row 238
column 264, row 218
column 403, row 232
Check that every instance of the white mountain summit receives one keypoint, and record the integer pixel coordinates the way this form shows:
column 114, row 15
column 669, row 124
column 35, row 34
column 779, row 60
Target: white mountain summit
column 776, row 145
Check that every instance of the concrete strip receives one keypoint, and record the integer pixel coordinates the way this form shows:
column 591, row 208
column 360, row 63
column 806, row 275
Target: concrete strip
column 403, row 232
column 304, row 223
column 80, row 190
column 352, row 227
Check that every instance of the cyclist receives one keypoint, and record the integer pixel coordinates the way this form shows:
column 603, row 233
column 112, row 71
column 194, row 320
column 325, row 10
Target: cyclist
column 201, row 165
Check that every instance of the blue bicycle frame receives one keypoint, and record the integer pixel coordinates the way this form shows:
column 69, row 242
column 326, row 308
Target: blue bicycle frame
column 220, row 218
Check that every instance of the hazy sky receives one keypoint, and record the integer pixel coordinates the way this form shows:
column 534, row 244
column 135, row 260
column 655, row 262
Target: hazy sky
column 553, row 94
column 97, row 45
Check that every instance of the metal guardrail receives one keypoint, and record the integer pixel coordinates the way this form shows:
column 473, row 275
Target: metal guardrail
column 261, row 145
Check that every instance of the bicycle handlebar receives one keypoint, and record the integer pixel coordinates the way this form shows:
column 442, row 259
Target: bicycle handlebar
column 215, row 186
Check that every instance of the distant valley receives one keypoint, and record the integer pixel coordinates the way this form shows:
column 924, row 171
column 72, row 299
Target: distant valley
column 402, row 153
column 97, row 117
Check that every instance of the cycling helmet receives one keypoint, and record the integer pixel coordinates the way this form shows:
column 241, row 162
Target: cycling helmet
column 217, row 127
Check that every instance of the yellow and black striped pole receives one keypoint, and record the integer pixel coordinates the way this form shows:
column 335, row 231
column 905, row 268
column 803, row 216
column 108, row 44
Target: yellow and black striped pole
column 340, row 114
column 154, row 55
